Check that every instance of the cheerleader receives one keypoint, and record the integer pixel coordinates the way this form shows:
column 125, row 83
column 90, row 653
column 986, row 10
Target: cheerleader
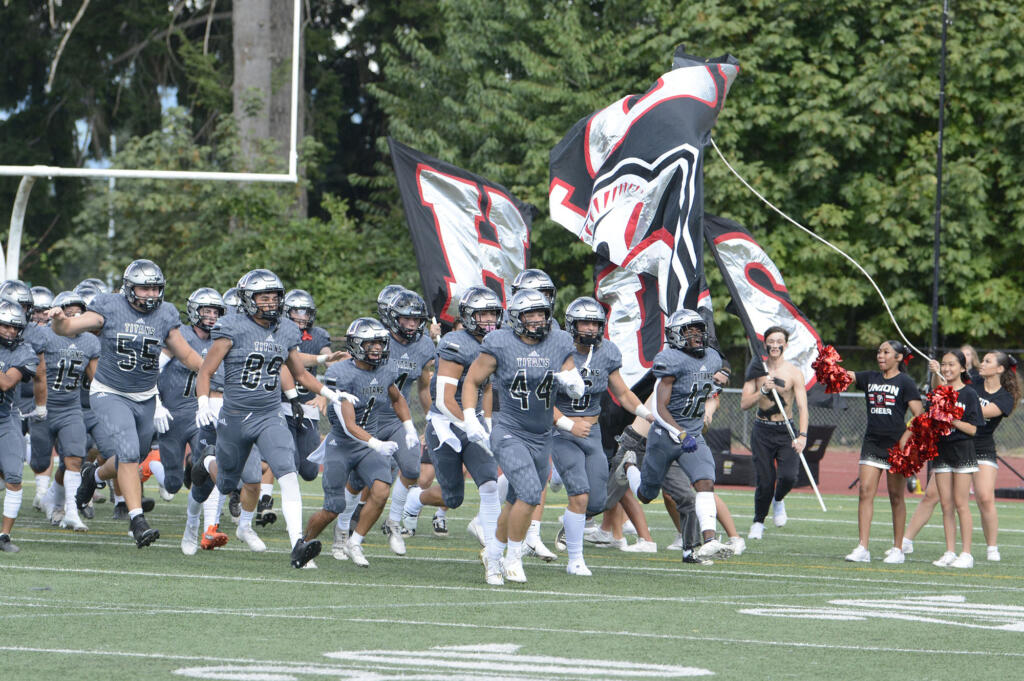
column 889, row 392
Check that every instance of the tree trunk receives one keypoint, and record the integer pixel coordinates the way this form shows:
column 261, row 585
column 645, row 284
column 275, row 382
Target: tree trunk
column 262, row 44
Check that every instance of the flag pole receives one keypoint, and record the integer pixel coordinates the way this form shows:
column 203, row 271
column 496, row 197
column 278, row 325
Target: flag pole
column 938, row 186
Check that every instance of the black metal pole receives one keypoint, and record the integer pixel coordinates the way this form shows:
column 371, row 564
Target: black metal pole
column 938, row 185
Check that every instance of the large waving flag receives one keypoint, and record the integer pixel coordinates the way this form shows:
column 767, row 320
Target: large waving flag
column 759, row 295
column 466, row 231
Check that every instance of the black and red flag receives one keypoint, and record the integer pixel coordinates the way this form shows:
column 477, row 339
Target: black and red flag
column 466, row 230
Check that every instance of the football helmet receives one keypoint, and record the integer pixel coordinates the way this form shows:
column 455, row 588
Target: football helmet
column 143, row 273
column 479, row 299
column 297, row 299
column 200, row 298
column 585, row 309
column 42, row 298
column 676, row 336
column 231, row 298
column 362, row 331
column 98, row 284
column 261, row 281
column 384, row 297
column 529, row 300
column 88, row 292
column 537, row 280
column 12, row 314
column 65, row 299
column 407, row 304
column 18, row 292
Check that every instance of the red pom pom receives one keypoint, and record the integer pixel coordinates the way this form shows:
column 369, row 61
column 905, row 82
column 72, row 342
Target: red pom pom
column 925, row 431
column 828, row 372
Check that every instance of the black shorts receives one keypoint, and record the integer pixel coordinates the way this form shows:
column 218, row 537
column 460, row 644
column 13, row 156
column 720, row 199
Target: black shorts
column 956, row 457
column 875, row 453
column 985, row 452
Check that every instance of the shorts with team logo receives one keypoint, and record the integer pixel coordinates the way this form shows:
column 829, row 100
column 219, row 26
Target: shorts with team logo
column 525, row 459
column 448, row 465
column 238, row 433
column 956, row 457
column 346, row 457
column 583, row 466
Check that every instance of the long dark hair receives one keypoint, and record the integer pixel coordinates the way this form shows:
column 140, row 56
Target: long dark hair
column 1009, row 380
column 899, row 349
column 964, row 376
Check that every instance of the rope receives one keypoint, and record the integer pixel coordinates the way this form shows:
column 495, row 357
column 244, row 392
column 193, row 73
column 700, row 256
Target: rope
column 827, row 243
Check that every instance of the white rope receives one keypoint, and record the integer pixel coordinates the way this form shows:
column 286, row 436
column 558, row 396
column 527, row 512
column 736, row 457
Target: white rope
column 827, row 243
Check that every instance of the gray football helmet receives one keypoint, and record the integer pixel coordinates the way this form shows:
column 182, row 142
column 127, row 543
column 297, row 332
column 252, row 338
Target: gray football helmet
column 42, row 298
column 200, row 298
column 143, row 273
column 479, row 299
column 261, row 281
column 65, row 299
column 297, row 299
column 537, row 280
column 676, row 336
column 362, row 331
column 585, row 309
column 98, row 284
column 11, row 314
column 88, row 292
column 231, row 298
column 384, row 297
column 17, row 291
column 529, row 300
column 407, row 304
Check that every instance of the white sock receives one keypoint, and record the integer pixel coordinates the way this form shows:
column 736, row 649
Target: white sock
column 245, row 519
column 12, row 503
column 355, row 538
column 633, row 476
column 502, row 488
column 42, row 484
column 495, row 549
column 533, row 532
column 345, row 517
column 441, row 513
column 192, row 512
column 573, row 524
column 157, row 469
column 212, row 506
column 72, row 481
column 266, row 489
column 291, row 505
column 206, row 462
column 515, row 550
column 58, row 494
column 99, row 481
column 413, row 505
column 704, row 507
column 399, row 493
column 490, row 509
column 133, row 512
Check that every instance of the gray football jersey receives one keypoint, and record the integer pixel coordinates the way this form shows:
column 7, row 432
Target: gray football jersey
column 66, row 361
column 177, row 383
column 605, row 360
column 252, row 367
column 33, row 338
column 693, row 384
column 22, row 358
column 407, row 362
column 526, row 377
column 371, row 387
column 130, row 342
column 318, row 340
column 462, row 348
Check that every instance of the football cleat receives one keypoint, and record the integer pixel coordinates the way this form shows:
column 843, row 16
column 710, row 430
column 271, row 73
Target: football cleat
column 165, row 495
column 73, row 522
column 493, row 572
column 395, row 540
column 251, row 539
column 89, row 512
column 144, row 534
column 120, row 511
column 512, row 570
column 6, row 546
column 235, row 504
column 304, row 551
column 88, row 486
column 440, row 525
column 713, row 548
column 355, row 554
column 738, row 545
column 693, row 559
column 199, row 475
column 560, row 539
column 213, row 538
column 338, row 547
column 476, row 530
column 190, row 539
column 578, row 567
column 148, row 504
column 57, row 517
column 534, row 546
column 264, row 518
column 145, row 472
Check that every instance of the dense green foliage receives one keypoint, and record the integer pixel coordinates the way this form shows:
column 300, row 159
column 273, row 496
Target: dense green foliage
column 834, row 118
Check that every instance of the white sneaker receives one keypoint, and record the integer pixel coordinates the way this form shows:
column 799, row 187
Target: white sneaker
column 534, row 546
column 677, row 545
column 756, row 531
column 946, row 560
column 738, row 545
column 619, row 544
column 190, row 539
column 73, row 522
column 578, row 567
column 629, row 528
column 338, row 547
column 908, row 546
column 355, row 554
column 779, row 516
column 597, row 536
column 859, row 555
column 964, row 561
column 894, row 556
column 713, row 549
column 641, row 546
column 395, row 540
column 992, row 554
column 164, row 494
column 310, row 565
column 512, row 570
column 249, row 536
column 493, row 572
column 476, row 530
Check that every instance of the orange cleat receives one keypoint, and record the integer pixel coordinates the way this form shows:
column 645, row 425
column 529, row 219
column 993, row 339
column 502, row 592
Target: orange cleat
column 144, row 471
column 213, row 538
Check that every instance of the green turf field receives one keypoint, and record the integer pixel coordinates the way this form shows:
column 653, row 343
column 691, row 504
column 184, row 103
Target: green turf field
column 92, row 606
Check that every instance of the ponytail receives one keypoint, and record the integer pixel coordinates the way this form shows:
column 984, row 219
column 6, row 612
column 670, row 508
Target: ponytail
column 900, row 349
column 1009, row 381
